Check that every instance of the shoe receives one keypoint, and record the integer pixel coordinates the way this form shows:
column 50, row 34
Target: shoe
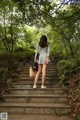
column 43, row 86
column 34, row 86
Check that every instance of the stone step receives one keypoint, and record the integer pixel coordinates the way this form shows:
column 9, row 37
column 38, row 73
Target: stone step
column 36, row 91
column 47, row 70
column 48, row 66
column 38, row 117
column 22, row 85
column 29, row 78
column 31, row 81
column 35, row 98
column 36, row 108
column 48, row 78
column 47, row 75
column 50, row 63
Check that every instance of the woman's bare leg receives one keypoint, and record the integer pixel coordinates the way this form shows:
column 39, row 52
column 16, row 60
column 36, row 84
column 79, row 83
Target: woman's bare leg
column 43, row 74
column 37, row 74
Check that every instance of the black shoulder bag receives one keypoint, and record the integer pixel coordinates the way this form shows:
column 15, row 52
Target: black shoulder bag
column 37, row 56
column 35, row 66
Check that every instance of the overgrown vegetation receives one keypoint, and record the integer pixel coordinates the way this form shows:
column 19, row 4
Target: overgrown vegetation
column 9, row 66
column 67, row 67
column 21, row 25
column 69, row 75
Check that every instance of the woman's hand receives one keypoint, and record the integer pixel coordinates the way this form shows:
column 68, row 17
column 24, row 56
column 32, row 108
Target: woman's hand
column 35, row 60
column 47, row 60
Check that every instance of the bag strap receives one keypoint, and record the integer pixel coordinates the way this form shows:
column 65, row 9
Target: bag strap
column 38, row 48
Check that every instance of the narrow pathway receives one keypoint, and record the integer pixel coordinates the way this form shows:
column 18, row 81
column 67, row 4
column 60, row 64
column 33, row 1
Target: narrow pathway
column 25, row 103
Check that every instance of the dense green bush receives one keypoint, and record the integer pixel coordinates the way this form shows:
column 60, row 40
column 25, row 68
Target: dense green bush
column 3, row 73
column 17, row 55
column 9, row 83
column 66, row 69
column 23, row 55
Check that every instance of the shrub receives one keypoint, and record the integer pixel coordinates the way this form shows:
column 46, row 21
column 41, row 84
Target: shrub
column 23, row 55
column 9, row 83
column 3, row 73
column 17, row 55
column 3, row 77
column 66, row 68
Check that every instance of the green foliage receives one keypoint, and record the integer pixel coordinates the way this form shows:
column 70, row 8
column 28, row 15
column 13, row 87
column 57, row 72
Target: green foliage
column 3, row 73
column 23, row 54
column 63, row 34
column 78, row 117
column 60, row 24
column 9, row 83
column 66, row 68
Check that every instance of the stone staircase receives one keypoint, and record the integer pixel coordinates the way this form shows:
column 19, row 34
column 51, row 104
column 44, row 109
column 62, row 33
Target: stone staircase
column 25, row 103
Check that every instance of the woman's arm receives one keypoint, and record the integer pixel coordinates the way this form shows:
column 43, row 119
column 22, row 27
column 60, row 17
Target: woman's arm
column 48, row 53
column 37, row 49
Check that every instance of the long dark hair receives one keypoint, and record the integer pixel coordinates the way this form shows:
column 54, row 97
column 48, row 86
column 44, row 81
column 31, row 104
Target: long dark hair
column 43, row 41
